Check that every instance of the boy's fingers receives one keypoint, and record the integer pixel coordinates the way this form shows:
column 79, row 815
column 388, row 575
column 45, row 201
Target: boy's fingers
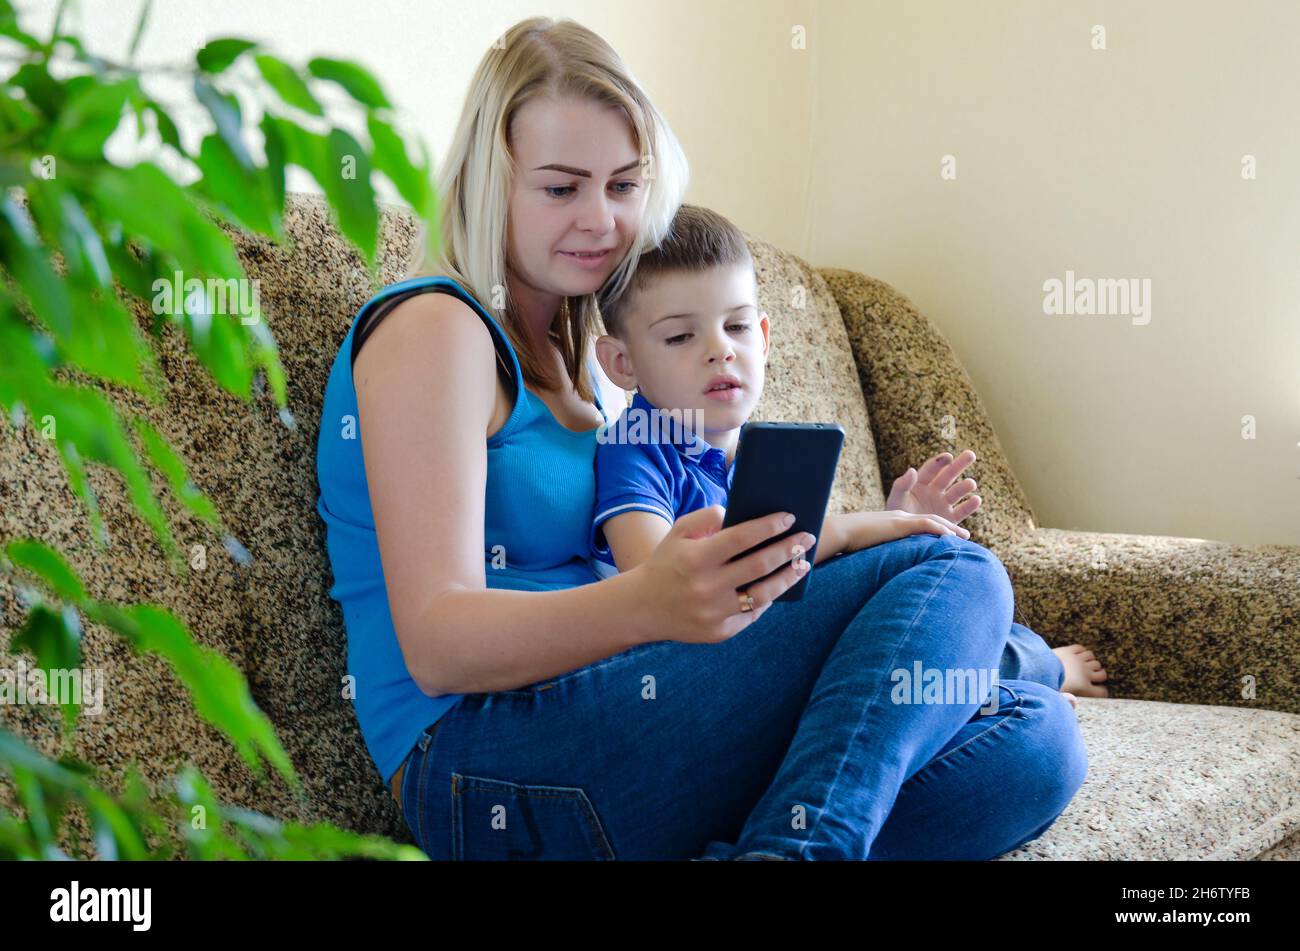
column 956, row 491
column 932, row 467
column 956, row 467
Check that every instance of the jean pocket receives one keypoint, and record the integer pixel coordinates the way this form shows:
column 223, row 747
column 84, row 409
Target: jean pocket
column 493, row 820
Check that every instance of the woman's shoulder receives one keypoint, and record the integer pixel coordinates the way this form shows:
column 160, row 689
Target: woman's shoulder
column 427, row 322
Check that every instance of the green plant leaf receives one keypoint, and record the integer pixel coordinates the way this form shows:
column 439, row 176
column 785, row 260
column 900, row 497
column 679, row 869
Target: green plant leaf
column 172, row 466
column 88, row 118
column 217, row 688
column 241, row 194
column 391, row 159
column 355, row 80
column 224, row 110
column 217, row 55
column 9, row 28
column 54, row 639
column 92, row 330
column 288, row 84
column 42, row 90
column 149, row 205
column 275, row 161
column 88, row 427
column 52, row 642
column 48, row 565
column 353, row 198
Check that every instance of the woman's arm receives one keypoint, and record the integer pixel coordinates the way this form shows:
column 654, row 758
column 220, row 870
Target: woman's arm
column 426, row 389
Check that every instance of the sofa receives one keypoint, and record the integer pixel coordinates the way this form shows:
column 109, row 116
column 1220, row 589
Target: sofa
column 1194, row 755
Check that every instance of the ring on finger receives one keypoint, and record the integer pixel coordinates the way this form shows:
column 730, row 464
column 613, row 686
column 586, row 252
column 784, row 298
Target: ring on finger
column 746, row 601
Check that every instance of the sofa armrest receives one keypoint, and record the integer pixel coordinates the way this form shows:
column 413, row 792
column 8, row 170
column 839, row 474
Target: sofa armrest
column 1175, row 619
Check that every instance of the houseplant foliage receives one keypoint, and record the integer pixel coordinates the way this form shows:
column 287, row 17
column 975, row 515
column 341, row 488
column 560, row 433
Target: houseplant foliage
column 77, row 234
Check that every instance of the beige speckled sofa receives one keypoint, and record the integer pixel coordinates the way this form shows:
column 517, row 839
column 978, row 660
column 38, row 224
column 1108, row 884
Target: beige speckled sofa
column 1181, row 764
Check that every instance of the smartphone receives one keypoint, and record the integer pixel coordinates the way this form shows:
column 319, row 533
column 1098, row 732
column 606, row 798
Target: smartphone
column 785, row 467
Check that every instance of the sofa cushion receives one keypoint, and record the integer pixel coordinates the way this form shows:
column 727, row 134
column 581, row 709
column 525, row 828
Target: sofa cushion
column 811, row 376
column 1178, row 781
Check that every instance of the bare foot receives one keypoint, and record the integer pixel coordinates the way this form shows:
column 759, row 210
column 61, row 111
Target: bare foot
column 1084, row 674
column 1070, row 697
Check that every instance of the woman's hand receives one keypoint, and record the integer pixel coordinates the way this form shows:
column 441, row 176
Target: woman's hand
column 931, row 491
column 688, row 589
column 864, row 529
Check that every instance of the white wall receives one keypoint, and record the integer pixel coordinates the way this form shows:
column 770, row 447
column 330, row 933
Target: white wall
column 1115, row 163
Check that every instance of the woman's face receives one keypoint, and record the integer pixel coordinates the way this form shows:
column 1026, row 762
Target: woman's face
column 578, row 187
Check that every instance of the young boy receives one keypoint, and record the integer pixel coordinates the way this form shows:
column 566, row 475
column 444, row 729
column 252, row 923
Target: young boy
column 689, row 338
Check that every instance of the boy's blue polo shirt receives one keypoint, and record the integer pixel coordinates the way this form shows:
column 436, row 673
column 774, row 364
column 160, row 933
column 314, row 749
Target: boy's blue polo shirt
column 671, row 476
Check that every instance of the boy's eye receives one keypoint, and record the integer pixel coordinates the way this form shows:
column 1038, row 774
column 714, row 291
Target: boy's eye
column 744, row 327
column 676, row 338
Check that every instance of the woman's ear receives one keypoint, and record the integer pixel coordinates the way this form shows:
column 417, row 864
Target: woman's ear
column 614, row 360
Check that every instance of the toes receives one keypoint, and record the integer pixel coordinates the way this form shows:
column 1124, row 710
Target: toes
column 1074, row 703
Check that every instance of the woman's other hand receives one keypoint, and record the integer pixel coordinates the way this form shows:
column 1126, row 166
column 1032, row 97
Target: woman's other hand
column 688, row 587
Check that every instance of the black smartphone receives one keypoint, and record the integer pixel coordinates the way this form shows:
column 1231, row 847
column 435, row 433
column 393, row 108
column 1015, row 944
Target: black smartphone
column 785, row 467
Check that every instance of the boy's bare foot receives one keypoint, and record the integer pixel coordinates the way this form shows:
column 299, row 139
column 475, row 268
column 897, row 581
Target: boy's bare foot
column 1070, row 697
column 1084, row 674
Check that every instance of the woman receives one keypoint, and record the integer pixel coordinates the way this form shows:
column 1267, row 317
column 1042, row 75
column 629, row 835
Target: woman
column 519, row 707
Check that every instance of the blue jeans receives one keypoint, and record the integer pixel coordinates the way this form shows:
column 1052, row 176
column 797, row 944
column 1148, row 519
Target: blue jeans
column 794, row 738
column 1027, row 657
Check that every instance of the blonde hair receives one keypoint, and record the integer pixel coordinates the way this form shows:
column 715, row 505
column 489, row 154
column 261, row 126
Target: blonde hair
column 542, row 58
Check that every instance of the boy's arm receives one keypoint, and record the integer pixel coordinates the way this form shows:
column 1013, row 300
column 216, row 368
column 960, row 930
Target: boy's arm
column 632, row 536
column 834, row 537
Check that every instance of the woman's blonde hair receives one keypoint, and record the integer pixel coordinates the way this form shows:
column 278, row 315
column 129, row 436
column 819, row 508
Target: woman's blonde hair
column 542, row 58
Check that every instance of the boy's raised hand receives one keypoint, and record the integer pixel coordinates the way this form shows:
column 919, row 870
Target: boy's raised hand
column 932, row 492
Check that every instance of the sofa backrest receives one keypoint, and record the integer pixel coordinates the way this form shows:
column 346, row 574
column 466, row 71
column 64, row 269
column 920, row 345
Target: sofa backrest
column 273, row 618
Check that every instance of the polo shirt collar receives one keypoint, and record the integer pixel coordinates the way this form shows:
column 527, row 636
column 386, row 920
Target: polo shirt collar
column 689, row 444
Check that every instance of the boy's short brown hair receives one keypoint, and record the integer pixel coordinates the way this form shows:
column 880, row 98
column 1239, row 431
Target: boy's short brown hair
column 697, row 240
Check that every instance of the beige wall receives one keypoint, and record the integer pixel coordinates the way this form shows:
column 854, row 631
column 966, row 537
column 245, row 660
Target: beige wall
column 1116, row 163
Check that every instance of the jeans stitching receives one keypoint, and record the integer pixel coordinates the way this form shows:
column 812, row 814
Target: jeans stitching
column 419, row 796
column 574, row 795
column 978, row 736
column 839, row 771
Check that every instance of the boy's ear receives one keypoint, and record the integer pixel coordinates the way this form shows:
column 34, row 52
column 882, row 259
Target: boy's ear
column 614, row 360
column 766, row 326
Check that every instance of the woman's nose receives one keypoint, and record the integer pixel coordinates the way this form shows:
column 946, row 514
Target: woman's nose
column 596, row 216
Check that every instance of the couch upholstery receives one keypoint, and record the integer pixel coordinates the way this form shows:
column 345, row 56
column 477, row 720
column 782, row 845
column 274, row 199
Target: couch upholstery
column 1181, row 764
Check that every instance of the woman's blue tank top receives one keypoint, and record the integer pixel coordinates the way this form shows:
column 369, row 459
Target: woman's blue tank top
column 538, row 508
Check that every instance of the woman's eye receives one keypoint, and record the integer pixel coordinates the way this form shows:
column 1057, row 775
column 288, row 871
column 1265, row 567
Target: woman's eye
column 634, row 187
column 552, row 189
column 677, row 337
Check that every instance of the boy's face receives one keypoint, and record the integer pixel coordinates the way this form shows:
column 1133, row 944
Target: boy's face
column 686, row 330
